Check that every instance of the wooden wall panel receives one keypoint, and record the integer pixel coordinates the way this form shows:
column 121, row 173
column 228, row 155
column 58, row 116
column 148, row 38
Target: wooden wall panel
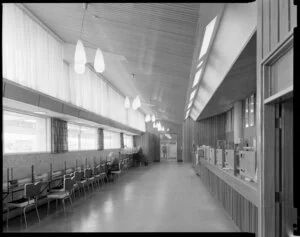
column 293, row 16
column 276, row 20
column 204, row 132
column 243, row 212
column 266, row 27
column 284, row 18
column 274, row 24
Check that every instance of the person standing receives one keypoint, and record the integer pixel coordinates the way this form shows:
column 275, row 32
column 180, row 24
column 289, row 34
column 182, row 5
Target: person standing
column 164, row 150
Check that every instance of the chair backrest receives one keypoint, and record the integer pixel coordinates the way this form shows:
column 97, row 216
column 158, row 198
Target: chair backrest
column 32, row 190
column 77, row 176
column 88, row 173
column 96, row 170
column 68, row 175
column 81, row 173
column 69, row 184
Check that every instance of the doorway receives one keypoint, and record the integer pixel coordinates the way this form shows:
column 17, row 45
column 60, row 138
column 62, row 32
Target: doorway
column 168, row 146
column 285, row 215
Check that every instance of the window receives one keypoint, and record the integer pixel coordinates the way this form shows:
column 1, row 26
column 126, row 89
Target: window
column 111, row 139
column 128, row 141
column 209, row 29
column 25, row 133
column 82, row 137
column 73, row 137
column 192, row 94
column 197, row 77
column 249, row 111
column 88, row 138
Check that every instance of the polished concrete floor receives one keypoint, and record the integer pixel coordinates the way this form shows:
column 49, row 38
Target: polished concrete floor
column 166, row 196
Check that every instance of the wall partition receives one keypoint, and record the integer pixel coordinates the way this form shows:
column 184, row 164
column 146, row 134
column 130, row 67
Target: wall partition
column 34, row 58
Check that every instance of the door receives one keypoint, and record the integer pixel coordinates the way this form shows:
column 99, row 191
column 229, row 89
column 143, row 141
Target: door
column 285, row 213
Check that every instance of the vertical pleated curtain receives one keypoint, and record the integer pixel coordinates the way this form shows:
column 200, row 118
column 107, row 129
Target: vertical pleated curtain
column 100, row 139
column 134, row 141
column 122, row 139
column 34, row 58
column 59, row 136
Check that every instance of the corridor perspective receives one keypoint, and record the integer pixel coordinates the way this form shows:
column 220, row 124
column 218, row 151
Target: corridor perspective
column 162, row 197
column 149, row 117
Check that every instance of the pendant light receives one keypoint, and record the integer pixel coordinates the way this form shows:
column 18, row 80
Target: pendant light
column 127, row 103
column 80, row 57
column 99, row 64
column 153, row 118
column 134, row 104
column 138, row 101
column 147, row 118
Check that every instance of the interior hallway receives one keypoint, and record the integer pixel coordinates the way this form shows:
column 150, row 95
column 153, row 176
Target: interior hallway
column 166, row 196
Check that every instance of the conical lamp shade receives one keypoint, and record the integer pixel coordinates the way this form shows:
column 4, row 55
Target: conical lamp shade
column 127, row 103
column 134, row 104
column 138, row 101
column 79, row 58
column 147, row 118
column 99, row 64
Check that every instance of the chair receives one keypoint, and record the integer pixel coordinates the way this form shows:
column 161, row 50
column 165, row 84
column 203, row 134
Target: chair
column 126, row 164
column 77, row 177
column 97, row 175
column 117, row 173
column 66, row 192
column 31, row 192
column 89, row 177
column 103, row 175
column 82, row 182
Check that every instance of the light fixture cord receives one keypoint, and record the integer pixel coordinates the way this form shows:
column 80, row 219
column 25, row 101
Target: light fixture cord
column 85, row 7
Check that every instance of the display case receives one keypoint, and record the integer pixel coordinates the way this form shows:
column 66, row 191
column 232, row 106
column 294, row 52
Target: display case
column 200, row 152
column 220, row 157
column 229, row 159
column 247, row 165
column 206, row 152
column 212, row 157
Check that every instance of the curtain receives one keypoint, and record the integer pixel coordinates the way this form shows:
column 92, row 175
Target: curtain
column 59, row 136
column 100, row 139
column 122, row 139
column 34, row 58
column 134, row 140
column 31, row 56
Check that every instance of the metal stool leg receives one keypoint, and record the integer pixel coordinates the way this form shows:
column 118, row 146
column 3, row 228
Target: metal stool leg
column 63, row 201
column 48, row 206
column 37, row 213
column 24, row 211
column 7, row 218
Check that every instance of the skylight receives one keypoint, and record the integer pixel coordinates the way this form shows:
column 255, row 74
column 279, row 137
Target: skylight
column 187, row 114
column 192, row 94
column 209, row 29
column 199, row 64
column 197, row 77
column 191, row 102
